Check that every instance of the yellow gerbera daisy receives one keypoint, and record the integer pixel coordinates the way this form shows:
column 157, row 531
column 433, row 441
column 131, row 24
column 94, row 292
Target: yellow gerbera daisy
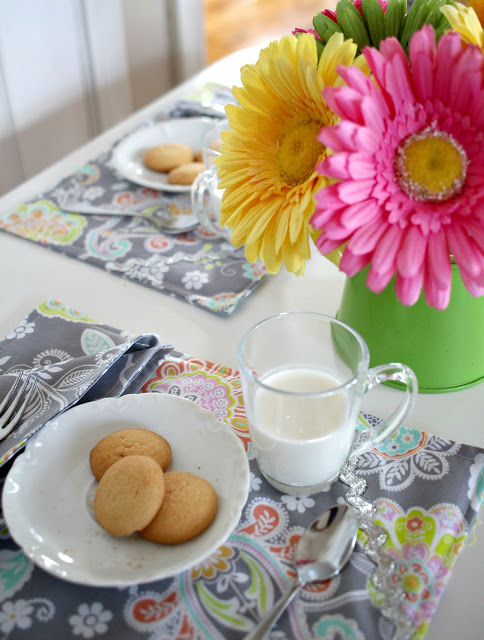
column 464, row 20
column 268, row 156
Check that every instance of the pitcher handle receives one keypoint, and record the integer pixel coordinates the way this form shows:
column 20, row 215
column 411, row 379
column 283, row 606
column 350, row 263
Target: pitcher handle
column 394, row 372
column 200, row 187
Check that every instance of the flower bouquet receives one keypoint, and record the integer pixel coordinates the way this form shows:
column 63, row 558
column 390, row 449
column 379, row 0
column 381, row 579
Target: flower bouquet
column 364, row 136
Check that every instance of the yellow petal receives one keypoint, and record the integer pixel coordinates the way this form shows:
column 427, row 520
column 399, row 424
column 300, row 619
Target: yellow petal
column 267, row 203
column 464, row 20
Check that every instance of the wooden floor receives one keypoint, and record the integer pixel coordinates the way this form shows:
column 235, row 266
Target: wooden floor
column 234, row 24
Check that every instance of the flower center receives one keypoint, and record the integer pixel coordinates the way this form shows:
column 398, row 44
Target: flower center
column 412, row 583
column 299, row 151
column 431, row 165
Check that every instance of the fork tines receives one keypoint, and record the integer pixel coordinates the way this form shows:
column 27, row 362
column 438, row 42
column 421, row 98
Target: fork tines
column 14, row 404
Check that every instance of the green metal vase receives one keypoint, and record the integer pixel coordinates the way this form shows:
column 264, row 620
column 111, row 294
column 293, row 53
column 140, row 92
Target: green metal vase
column 445, row 348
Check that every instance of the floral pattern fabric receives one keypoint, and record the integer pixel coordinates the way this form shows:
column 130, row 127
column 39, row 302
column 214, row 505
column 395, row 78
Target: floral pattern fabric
column 426, row 523
column 197, row 267
column 71, row 358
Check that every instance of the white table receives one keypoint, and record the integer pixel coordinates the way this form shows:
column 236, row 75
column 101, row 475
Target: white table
column 31, row 273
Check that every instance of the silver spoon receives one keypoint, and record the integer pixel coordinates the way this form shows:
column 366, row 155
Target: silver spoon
column 321, row 553
column 158, row 215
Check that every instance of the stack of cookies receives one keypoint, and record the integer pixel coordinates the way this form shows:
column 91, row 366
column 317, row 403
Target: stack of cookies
column 137, row 493
column 178, row 160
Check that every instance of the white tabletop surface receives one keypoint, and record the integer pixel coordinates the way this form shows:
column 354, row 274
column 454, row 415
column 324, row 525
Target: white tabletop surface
column 31, row 273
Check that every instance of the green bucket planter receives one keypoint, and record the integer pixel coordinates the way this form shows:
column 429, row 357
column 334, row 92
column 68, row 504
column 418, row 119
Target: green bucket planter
column 445, row 348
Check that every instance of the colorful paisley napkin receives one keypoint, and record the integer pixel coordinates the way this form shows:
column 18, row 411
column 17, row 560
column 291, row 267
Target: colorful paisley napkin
column 132, row 247
column 427, row 492
column 72, row 359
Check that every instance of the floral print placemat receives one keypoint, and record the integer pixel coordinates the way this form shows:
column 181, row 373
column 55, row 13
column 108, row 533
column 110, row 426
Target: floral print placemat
column 427, row 492
column 212, row 274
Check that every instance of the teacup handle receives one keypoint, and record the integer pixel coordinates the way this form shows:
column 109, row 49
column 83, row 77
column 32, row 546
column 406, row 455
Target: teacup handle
column 394, row 372
column 201, row 185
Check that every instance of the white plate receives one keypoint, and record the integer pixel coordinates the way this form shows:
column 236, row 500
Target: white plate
column 48, row 493
column 128, row 155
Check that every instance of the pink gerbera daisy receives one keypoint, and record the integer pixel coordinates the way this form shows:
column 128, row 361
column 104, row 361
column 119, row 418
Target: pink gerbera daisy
column 409, row 157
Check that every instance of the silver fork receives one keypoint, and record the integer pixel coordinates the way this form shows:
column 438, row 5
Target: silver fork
column 14, row 404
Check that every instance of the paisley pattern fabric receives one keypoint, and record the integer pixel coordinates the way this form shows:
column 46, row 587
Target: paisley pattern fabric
column 71, row 358
column 406, row 457
column 426, row 522
column 196, row 267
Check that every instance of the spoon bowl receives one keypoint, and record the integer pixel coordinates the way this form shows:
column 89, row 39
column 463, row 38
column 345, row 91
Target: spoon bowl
column 158, row 215
column 321, row 553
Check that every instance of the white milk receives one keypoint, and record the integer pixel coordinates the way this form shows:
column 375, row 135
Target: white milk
column 301, row 440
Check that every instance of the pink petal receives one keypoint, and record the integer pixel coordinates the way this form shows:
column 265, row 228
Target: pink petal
column 328, row 198
column 436, row 297
column 438, row 261
column 466, row 79
column 323, row 216
column 378, row 280
column 475, row 288
column 422, row 57
column 359, row 5
column 424, row 40
column 398, row 81
column 356, row 215
column 348, row 165
column 374, row 111
column 465, row 253
column 383, row 189
column 345, row 102
column 356, row 79
column 365, row 239
column 378, row 59
column 312, row 31
column 354, row 191
column 348, row 136
column 376, row 62
column 449, row 50
column 474, row 170
column 477, row 112
column 351, row 263
column 331, row 14
column 336, row 231
column 385, row 254
column 391, row 49
column 412, row 253
column 476, row 229
column 326, row 245
column 337, row 139
column 408, row 289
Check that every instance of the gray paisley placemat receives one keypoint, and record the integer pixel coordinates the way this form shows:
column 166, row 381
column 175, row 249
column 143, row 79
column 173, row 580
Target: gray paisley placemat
column 426, row 492
column 213, row 275
column 72, row 359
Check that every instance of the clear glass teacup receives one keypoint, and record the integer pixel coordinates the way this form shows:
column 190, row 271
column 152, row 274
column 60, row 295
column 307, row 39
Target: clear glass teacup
column 304, row 376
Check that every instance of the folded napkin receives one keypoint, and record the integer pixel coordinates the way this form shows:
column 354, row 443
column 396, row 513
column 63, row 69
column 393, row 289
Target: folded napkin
column 426, row 491
column 72, row 359
column 210, row 275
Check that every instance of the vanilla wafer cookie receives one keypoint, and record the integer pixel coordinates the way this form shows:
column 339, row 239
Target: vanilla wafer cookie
column 129, row 495
column 128, row 442
column 188, row 508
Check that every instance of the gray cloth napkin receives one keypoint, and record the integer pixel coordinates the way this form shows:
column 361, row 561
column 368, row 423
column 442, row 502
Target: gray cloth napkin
column 72, row 359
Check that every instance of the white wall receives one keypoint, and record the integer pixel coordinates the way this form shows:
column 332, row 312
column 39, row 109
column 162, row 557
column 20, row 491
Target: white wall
column 71, row 68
